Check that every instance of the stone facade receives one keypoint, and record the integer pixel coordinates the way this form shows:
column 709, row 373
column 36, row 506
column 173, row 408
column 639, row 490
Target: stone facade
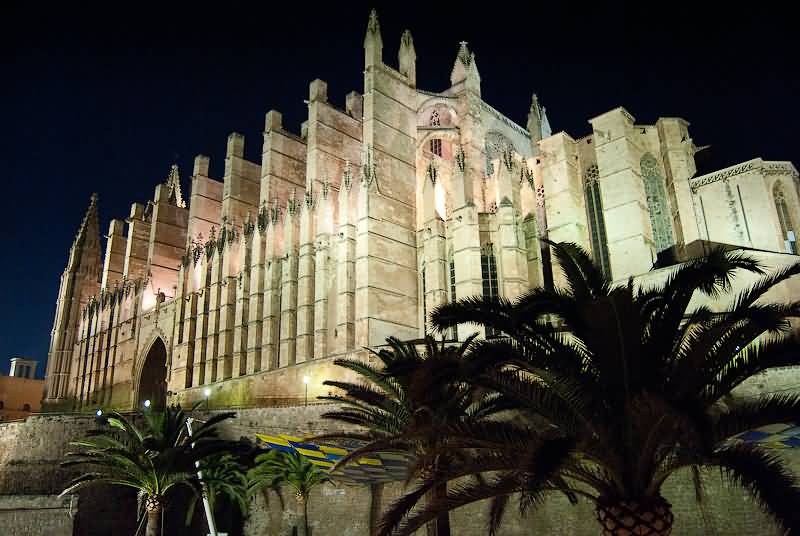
column 357, row 227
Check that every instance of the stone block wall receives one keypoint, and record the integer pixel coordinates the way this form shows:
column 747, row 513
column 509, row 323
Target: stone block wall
column 30, row 478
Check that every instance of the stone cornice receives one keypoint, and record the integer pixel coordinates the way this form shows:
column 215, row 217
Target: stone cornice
column 756, row 164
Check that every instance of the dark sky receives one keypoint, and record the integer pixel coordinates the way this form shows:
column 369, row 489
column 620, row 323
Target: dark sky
column 103, row 98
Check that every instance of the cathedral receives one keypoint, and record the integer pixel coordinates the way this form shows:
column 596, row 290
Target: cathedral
column 356, row 227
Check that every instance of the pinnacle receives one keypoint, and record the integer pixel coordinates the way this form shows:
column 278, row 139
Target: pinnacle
column 373, row 25
column 464, row 54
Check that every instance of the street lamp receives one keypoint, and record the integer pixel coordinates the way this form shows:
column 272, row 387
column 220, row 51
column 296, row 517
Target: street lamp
column 306, row 379
column 207, row 394
column 147, row 404
column 99, row 412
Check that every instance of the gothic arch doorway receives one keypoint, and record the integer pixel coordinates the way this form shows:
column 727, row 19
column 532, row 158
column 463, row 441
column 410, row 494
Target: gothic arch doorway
column 153, row 377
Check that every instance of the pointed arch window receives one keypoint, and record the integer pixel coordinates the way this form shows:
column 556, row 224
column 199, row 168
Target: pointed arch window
column 657, row 203
column 597, row 223
column 784, row 216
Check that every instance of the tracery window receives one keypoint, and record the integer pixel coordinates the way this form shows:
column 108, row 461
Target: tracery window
column 657, row 205
column 784, row 216
column 489, row 278
column 597, row 224
column 495, row 145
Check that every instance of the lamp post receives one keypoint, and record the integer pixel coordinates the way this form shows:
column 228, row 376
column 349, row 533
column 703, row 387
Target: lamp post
column 212, row 526
column 306, row 379
column 207, row 394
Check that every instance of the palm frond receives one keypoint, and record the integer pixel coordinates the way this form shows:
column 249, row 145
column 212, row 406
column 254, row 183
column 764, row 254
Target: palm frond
column 766, row 477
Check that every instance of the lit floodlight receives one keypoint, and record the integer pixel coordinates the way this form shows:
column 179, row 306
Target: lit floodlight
column 147, row 403
column 206, row 392
column 306, row 379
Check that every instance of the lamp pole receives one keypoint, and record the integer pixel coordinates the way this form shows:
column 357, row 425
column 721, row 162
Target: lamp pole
column 306, row 379
column 212, row 527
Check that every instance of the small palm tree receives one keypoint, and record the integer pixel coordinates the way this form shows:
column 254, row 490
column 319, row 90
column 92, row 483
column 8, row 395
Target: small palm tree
column 225, row 475
column 401, row 401
column 152, row 460
column 274, row 469
column 619, row 387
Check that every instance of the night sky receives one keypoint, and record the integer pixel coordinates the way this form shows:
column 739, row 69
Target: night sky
column 103, row 99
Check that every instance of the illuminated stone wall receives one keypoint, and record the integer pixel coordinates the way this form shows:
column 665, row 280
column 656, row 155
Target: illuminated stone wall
column 355, row 227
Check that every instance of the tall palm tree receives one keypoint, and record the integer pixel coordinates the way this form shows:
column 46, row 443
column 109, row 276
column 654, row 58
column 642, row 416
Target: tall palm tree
column 153, row 460
column 395, row 399
column 274, row 469
column 622, row 386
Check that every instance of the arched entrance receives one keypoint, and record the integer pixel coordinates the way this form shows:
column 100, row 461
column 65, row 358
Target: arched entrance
column 153, row 378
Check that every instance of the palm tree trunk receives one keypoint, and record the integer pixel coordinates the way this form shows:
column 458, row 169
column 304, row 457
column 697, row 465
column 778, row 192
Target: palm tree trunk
column 302, row 501
column 626, row 517
column 375, row 506
column 153, row 520
column 443, row 519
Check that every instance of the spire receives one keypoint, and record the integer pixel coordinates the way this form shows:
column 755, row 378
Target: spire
column 373, row 44
column 538, row 125
column 407, row 58
column 466, row 69
column 173, row 183
column 90, row 221
column 85, row 252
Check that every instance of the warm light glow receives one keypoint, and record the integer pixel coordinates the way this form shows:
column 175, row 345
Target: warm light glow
column 439, row 200
column 196, row 272
column 306, row 379
column 148, row 300
column 207, row 392
column 147, row 403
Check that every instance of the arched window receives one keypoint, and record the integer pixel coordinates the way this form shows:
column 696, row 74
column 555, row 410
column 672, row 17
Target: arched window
column 784, row 217
column 489, row 278
column 597, row 223
column 26, row 407
column 2, row 405
column 656, row 202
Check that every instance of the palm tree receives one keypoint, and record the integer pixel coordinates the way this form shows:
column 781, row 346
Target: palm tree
column 274, row 469
column 619, row 387
column 153, row 460
column 395, row 399
column 224, row 475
